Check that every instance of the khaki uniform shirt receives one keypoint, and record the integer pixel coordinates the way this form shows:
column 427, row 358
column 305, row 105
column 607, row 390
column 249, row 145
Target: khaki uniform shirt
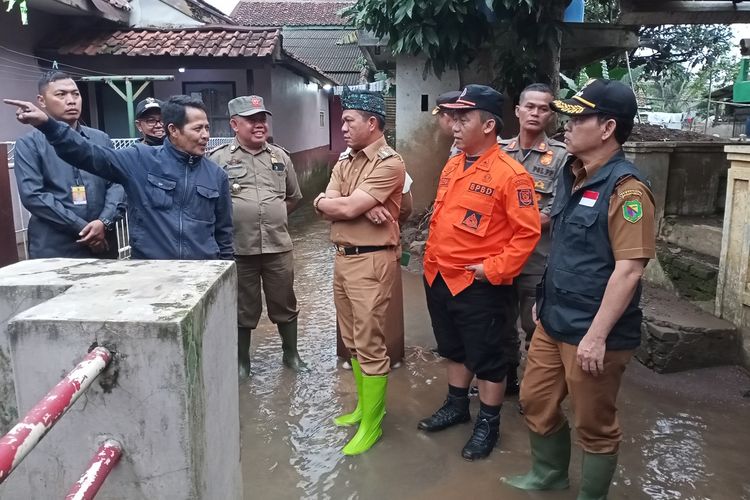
column 379, row 171
column 543, row 162
column 260, row 183
column 630, row 237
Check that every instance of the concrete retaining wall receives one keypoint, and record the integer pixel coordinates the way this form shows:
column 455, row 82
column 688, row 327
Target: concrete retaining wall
column 171, row 395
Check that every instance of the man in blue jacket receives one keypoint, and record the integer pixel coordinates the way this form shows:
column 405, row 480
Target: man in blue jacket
column 179, row 201
column 72, row 211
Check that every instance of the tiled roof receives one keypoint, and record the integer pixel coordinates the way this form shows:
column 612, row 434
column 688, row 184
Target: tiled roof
column 299, row 13
column 321, row 48
column 206, row 41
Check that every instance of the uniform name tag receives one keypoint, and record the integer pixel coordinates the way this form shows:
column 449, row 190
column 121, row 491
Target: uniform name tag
column 79, row 195
column 589, row 198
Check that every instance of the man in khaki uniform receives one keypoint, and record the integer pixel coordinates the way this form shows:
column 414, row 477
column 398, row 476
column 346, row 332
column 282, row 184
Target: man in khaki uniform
column 264, row 191
column 363, row 199
column 542, row 157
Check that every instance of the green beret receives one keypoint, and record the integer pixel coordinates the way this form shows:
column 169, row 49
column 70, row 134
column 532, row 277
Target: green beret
column 363, row 100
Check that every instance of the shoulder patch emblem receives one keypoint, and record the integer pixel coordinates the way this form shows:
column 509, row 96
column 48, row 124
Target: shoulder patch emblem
column 630, row 192
column 525, row 198
column 632, row 211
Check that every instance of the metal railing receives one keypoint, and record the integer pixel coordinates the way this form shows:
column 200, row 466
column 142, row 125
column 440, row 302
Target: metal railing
column 26, row 434
column 21, row 215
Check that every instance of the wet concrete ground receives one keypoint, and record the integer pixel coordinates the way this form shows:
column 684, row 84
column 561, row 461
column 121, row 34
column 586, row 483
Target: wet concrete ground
column 687, row 435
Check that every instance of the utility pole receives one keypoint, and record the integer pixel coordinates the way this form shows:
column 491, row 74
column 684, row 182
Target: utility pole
column 127, row 95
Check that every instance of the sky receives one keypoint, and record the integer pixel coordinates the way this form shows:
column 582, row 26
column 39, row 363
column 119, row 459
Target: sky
column 225, row 6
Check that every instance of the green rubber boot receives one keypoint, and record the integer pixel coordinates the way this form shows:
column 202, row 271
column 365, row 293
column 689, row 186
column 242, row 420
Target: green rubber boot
column 354, row 417
column 596, row 476
column 551, row 458
column 373, row 411
column 243, row 351
column 290, row 358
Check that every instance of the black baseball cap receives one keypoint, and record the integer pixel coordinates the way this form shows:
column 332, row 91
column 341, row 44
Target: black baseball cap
column 478, row 97
column 147, row 104
column 608, row 97
column 445, row 98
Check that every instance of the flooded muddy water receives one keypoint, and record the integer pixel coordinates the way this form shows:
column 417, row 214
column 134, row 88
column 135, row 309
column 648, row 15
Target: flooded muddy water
column 687, row 435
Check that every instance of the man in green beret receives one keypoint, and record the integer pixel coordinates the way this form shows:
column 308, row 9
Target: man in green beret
column 362, row 200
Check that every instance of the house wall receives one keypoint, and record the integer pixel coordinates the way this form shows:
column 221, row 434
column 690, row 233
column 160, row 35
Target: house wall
column 18, row 73
column 296, row 108
column 418, row 140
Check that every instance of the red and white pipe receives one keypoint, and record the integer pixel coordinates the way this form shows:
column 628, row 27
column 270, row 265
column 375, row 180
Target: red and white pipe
column 25, row 435
column 99, row 468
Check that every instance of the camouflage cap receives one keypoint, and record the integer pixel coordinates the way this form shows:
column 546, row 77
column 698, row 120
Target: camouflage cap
column 363, row 100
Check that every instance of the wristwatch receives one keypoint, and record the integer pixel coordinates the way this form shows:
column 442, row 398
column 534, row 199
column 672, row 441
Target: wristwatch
column 108, row 224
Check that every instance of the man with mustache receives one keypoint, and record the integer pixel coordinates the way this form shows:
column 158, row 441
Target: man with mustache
column 264, row 192
column 588, row 301
column 72, row 211
column 149, row 123
column 542, row 157
column 178, row 201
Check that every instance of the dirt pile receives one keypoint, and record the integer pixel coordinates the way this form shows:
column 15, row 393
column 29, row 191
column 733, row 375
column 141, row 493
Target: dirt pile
column 645, row 132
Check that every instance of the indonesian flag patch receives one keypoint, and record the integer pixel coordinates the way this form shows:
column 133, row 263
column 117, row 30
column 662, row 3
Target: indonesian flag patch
column 589, row 198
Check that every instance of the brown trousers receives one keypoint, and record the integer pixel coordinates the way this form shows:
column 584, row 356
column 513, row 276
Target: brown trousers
column 394, row 325
column 276, row 272
column 552, row 373
column 362, row 288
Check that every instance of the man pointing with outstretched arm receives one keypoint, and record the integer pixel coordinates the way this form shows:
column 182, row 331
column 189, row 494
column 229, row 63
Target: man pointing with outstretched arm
column 179, row 202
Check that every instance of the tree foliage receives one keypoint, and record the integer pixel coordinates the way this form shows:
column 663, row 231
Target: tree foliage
column 689, row 45
column 452, row 33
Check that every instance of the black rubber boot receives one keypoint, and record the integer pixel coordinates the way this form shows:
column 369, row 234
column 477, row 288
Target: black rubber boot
column 243, row 351
column 290, row 358
column 454, row 411
column 483, row 439
column 511, row 382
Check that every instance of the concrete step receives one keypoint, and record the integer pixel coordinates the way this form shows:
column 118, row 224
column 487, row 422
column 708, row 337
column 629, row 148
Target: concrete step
column 677, row 335
column 698, row 234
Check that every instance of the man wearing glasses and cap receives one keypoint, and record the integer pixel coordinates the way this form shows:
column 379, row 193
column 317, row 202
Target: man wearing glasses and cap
column 363, row 199
column 148, row 122
column 484, row 227
column 589, row 319
column 264, row 192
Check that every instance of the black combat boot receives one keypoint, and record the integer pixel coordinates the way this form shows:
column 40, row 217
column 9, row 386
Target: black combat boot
column 485, row 436
column 454, row 411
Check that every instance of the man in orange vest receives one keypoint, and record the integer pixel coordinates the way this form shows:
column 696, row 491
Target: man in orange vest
column 484, row 227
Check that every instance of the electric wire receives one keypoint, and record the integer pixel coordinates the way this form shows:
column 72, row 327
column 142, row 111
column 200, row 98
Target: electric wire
column 59, row 64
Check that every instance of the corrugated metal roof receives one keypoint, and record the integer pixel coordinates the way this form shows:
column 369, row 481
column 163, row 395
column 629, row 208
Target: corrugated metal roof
column 320, row 48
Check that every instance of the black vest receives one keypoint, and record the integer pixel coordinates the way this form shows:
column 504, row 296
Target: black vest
column 581, row 261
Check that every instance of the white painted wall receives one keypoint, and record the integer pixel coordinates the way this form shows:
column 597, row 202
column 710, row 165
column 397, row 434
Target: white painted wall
column 296, row 108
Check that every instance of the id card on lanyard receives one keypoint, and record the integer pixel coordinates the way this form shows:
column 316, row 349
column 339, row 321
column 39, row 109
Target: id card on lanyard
column 78, row 190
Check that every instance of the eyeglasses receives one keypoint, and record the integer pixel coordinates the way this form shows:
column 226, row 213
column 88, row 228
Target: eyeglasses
column 152, row 122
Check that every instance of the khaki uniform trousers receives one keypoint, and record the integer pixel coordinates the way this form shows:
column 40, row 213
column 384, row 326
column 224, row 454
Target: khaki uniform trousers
column 276, row 272
column 362, row 289
column 552, row 373
column 394, row 324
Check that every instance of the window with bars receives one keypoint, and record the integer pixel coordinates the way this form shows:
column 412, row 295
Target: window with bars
column 216, row 96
